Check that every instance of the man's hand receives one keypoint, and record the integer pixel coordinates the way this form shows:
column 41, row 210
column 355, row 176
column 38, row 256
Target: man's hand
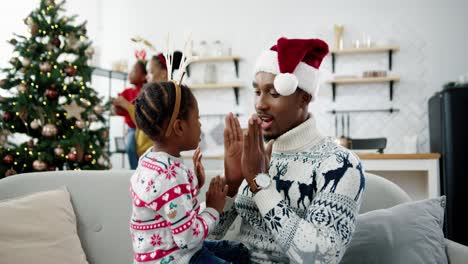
column 198, row 166
column 255, row 159
column 232, row 153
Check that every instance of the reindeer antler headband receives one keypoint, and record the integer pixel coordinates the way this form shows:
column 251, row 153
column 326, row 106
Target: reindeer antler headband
column 187, row 58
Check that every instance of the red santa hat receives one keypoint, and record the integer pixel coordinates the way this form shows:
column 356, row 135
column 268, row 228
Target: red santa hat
column 296, row 63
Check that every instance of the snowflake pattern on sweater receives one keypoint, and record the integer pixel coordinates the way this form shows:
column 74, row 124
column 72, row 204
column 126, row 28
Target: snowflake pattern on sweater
column 308, row 213
column 166, row 224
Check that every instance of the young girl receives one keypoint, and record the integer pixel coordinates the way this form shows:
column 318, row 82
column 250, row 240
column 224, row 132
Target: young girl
column 167, row 225
column 157, row 67
column 124, row 103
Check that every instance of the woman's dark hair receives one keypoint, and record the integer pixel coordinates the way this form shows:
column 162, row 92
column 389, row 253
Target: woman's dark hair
column 155, row 104
column 176, row 58
column 142, row 66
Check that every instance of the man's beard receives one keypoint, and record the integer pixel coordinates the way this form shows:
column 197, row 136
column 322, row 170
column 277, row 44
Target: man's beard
column 266, row 139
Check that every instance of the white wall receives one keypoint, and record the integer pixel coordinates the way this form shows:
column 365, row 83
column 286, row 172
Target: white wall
column 431, row 34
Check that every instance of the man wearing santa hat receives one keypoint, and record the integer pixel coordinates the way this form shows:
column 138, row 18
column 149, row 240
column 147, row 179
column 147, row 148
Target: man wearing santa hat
column 299, row 197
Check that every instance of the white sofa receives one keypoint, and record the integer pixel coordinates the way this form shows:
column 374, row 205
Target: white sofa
column 102, row 205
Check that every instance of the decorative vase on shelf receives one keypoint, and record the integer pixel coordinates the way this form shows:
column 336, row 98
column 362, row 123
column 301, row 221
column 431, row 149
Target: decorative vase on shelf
column 339, row 29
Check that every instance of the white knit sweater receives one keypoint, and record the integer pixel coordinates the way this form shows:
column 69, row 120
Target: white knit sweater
column 308, row 213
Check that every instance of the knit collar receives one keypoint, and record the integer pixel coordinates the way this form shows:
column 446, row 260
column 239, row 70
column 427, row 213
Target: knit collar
column 299, row 138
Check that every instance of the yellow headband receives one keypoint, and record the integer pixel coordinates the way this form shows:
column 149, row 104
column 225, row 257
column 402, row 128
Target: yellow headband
column 175, row 113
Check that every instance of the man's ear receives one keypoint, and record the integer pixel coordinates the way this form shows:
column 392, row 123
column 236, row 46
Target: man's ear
column 178, row 128
column 304, row 99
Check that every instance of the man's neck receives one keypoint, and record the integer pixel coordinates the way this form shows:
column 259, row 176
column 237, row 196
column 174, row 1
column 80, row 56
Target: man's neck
column 298, row 138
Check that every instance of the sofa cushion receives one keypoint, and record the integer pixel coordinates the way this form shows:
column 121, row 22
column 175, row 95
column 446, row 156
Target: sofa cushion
column 406, row 233
column 40, row 228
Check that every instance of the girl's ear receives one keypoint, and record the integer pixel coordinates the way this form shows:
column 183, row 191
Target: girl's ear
column 179, row 127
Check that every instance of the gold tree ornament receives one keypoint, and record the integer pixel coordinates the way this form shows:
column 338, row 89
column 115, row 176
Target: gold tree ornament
column 25, row 62
column 45, row 66
column 21, row 88
column 49, row 130
column 10, row 172
column 73, row 110
column 58, row 151
column 80, row 124
column 35, row 124
column 98, row 109
column 39, row 165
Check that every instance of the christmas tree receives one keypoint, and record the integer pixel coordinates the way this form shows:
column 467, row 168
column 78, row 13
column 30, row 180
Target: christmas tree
column 49, row 98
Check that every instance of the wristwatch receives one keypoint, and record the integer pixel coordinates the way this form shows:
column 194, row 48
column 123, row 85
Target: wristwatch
column 260, row 182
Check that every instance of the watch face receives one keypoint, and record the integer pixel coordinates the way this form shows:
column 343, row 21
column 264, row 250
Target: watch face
column 263, row 180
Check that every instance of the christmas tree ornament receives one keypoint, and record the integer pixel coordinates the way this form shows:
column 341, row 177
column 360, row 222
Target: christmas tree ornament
column 45, row 66
column 102, row 161
column 10, row 172
column 70, row 70
column 35, row 124
column 89, row 52
column 98, row 109
column 105, row 134
column 3, row 82
column 34, row 29
column 21, row 88
column 25, row 62
column 73, row 110
column 39, row 165
column 28, row 21
column 51, row 93
column 80, row 124
column 49, row 130
column 58, row 151
column 30, row 144
column 88, row 157
column 23, row 114
column 73, row 42
column 56, row 42
column 72, row 156
column 92, row 118
column 13, row 41
column 7, row 116
column 14, row 61
column 8, row 159
column 51, row 168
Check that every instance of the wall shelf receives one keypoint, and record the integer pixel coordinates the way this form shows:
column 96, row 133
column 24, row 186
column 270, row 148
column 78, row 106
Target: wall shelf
column 359, row 111
column 365, row 50
column 110, row 74
column 345, row 81
column 348, row 51
column 216, row 59
column 235, row 85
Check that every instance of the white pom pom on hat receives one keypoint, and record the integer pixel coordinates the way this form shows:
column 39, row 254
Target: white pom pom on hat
column 285, row 83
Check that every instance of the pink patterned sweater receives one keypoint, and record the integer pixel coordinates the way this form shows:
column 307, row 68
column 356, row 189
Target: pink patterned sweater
column 166, row 224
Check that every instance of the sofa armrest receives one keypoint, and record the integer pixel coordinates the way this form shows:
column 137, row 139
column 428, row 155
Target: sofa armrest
column 457, row 253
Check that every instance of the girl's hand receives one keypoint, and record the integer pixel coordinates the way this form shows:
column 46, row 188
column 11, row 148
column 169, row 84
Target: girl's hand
column 198, row 166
